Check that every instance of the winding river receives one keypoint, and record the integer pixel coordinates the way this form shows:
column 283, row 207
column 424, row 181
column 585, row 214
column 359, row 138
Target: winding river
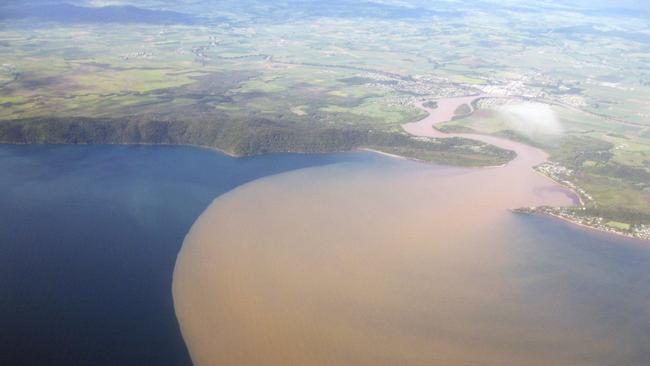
column 519, row 170
column 527, row 156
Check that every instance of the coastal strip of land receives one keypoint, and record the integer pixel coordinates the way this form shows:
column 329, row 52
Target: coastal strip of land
column 247, row 137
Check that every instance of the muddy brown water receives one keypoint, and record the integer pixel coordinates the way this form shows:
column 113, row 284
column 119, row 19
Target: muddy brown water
column 401, row 263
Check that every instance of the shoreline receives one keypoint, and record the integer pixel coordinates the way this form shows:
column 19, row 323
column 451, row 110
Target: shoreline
column 232, row 155
column 580, row 202
column 395, row 156
column 581, row 225
column 366, row 149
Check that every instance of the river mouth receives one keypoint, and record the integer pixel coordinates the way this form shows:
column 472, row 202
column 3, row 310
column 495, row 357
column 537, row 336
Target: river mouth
column 384, row 264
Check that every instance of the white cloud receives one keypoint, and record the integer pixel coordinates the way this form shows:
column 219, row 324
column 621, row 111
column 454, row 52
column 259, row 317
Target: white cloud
column 532, row 119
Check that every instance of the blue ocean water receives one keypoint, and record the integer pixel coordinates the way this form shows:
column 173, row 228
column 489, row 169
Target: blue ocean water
column 88, row 241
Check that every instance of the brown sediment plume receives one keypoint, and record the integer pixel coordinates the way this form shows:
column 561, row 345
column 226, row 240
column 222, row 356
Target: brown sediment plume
column 381, row 264
column 346, row 265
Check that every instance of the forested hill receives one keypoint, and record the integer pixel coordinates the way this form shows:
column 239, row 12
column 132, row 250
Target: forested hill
column 246, row 137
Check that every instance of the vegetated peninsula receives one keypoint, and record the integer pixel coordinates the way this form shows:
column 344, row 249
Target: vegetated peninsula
column 250, row 79
column 248, row 137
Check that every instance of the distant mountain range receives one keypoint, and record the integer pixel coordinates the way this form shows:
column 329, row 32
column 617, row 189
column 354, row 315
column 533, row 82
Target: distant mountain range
column 69, row 13
column 159, row 12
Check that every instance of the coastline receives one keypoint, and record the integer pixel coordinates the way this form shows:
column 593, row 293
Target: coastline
column 568, row 220
column 228, row 153
column 580, row 201
column 366, row 149
column 375, row 151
